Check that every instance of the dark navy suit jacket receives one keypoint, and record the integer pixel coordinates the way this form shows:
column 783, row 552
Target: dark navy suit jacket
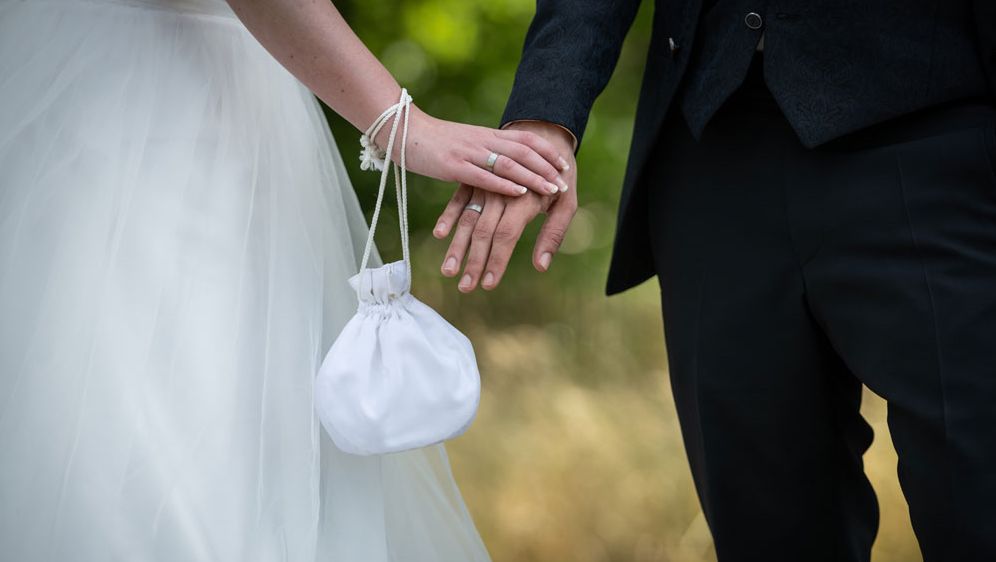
column 835, row 67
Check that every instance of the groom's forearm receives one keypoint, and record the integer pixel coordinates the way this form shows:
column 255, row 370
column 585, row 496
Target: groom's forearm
column 570, row 52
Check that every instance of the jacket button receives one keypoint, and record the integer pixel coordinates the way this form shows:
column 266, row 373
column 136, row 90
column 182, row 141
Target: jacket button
column 672, row 46
column 753, row 20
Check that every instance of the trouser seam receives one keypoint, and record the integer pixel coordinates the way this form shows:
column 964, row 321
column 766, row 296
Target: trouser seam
column 937, row 343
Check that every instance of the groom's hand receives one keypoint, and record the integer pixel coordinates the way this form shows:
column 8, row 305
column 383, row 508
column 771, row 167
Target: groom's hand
column 486, row 239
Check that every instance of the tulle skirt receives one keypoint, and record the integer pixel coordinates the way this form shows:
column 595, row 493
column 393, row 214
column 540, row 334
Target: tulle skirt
column 176, row 231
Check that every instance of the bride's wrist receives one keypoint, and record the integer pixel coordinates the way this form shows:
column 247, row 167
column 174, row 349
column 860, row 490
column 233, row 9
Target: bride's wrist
column 419, row 121
column 420, row 127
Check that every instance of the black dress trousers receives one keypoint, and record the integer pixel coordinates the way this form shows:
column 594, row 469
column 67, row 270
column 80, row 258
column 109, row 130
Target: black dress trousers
column 789, row 277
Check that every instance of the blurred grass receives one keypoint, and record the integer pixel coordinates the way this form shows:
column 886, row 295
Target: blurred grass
column 576, row 453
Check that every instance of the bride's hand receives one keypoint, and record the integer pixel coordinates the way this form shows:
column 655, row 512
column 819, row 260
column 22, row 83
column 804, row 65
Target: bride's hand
column 314, row 42
column 455, row 152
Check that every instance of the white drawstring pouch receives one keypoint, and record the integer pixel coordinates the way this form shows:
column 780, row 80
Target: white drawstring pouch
column 399, row 376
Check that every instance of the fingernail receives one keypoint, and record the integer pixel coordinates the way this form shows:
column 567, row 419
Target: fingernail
column 552, row 188
column 522, row 190
column 489, row 279
column 545, row 260
column 440, row 228
column 465, row 282
column 450, row 265
column 562, row 184
column 564, row 166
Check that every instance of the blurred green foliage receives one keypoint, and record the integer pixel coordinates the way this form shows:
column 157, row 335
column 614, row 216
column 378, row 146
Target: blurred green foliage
column 576, row 454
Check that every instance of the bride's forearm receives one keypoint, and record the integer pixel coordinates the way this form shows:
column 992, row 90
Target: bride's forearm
column 313, row 41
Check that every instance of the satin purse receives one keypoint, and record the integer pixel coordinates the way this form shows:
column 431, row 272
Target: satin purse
column 398, row 376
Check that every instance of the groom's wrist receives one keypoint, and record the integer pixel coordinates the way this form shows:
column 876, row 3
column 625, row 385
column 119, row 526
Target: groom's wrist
column 561, row 136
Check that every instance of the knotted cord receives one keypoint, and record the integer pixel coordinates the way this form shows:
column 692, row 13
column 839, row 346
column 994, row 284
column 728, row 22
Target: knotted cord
column 372, row 158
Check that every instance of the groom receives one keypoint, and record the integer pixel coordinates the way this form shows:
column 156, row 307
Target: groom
column 814, row 185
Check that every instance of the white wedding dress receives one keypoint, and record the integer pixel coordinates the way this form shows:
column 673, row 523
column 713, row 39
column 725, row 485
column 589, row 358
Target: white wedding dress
column 176, row 232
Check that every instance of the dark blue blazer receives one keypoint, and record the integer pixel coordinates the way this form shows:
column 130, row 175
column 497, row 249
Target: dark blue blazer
column 835, row 66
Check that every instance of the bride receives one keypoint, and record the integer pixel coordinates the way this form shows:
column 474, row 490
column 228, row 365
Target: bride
column 176, row 231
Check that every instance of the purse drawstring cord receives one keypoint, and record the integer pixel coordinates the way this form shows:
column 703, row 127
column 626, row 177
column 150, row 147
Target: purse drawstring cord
column 373, row 158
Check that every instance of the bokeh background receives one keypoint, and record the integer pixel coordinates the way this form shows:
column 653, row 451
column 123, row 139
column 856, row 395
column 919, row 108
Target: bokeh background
column 576, row 454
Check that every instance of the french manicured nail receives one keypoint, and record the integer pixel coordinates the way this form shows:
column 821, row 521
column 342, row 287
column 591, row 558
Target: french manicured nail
column 450, row 265
column 562, row 184
column 552, row 188
column 440, row 228
column 564, row 166
column 545, row 260
column 489, row 279
column 522, row 190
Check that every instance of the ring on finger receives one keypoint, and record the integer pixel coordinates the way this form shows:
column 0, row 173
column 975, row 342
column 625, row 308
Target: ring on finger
column 492, row 159
column 474, row 207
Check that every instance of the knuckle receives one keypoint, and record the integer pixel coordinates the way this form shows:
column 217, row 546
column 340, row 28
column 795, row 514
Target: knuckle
column 468, row 220
column 504, row 165
column 520, row 152
column 461, row 197
column 481, row 233
column 539, row 144
column 556, row 234
column 505, row 235
column 452, row 157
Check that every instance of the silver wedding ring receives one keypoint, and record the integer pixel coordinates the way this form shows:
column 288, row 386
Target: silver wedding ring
column 474, row 207
column 492, row 158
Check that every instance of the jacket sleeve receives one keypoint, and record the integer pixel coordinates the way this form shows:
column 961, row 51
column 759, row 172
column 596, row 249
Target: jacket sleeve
column 571, row 49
